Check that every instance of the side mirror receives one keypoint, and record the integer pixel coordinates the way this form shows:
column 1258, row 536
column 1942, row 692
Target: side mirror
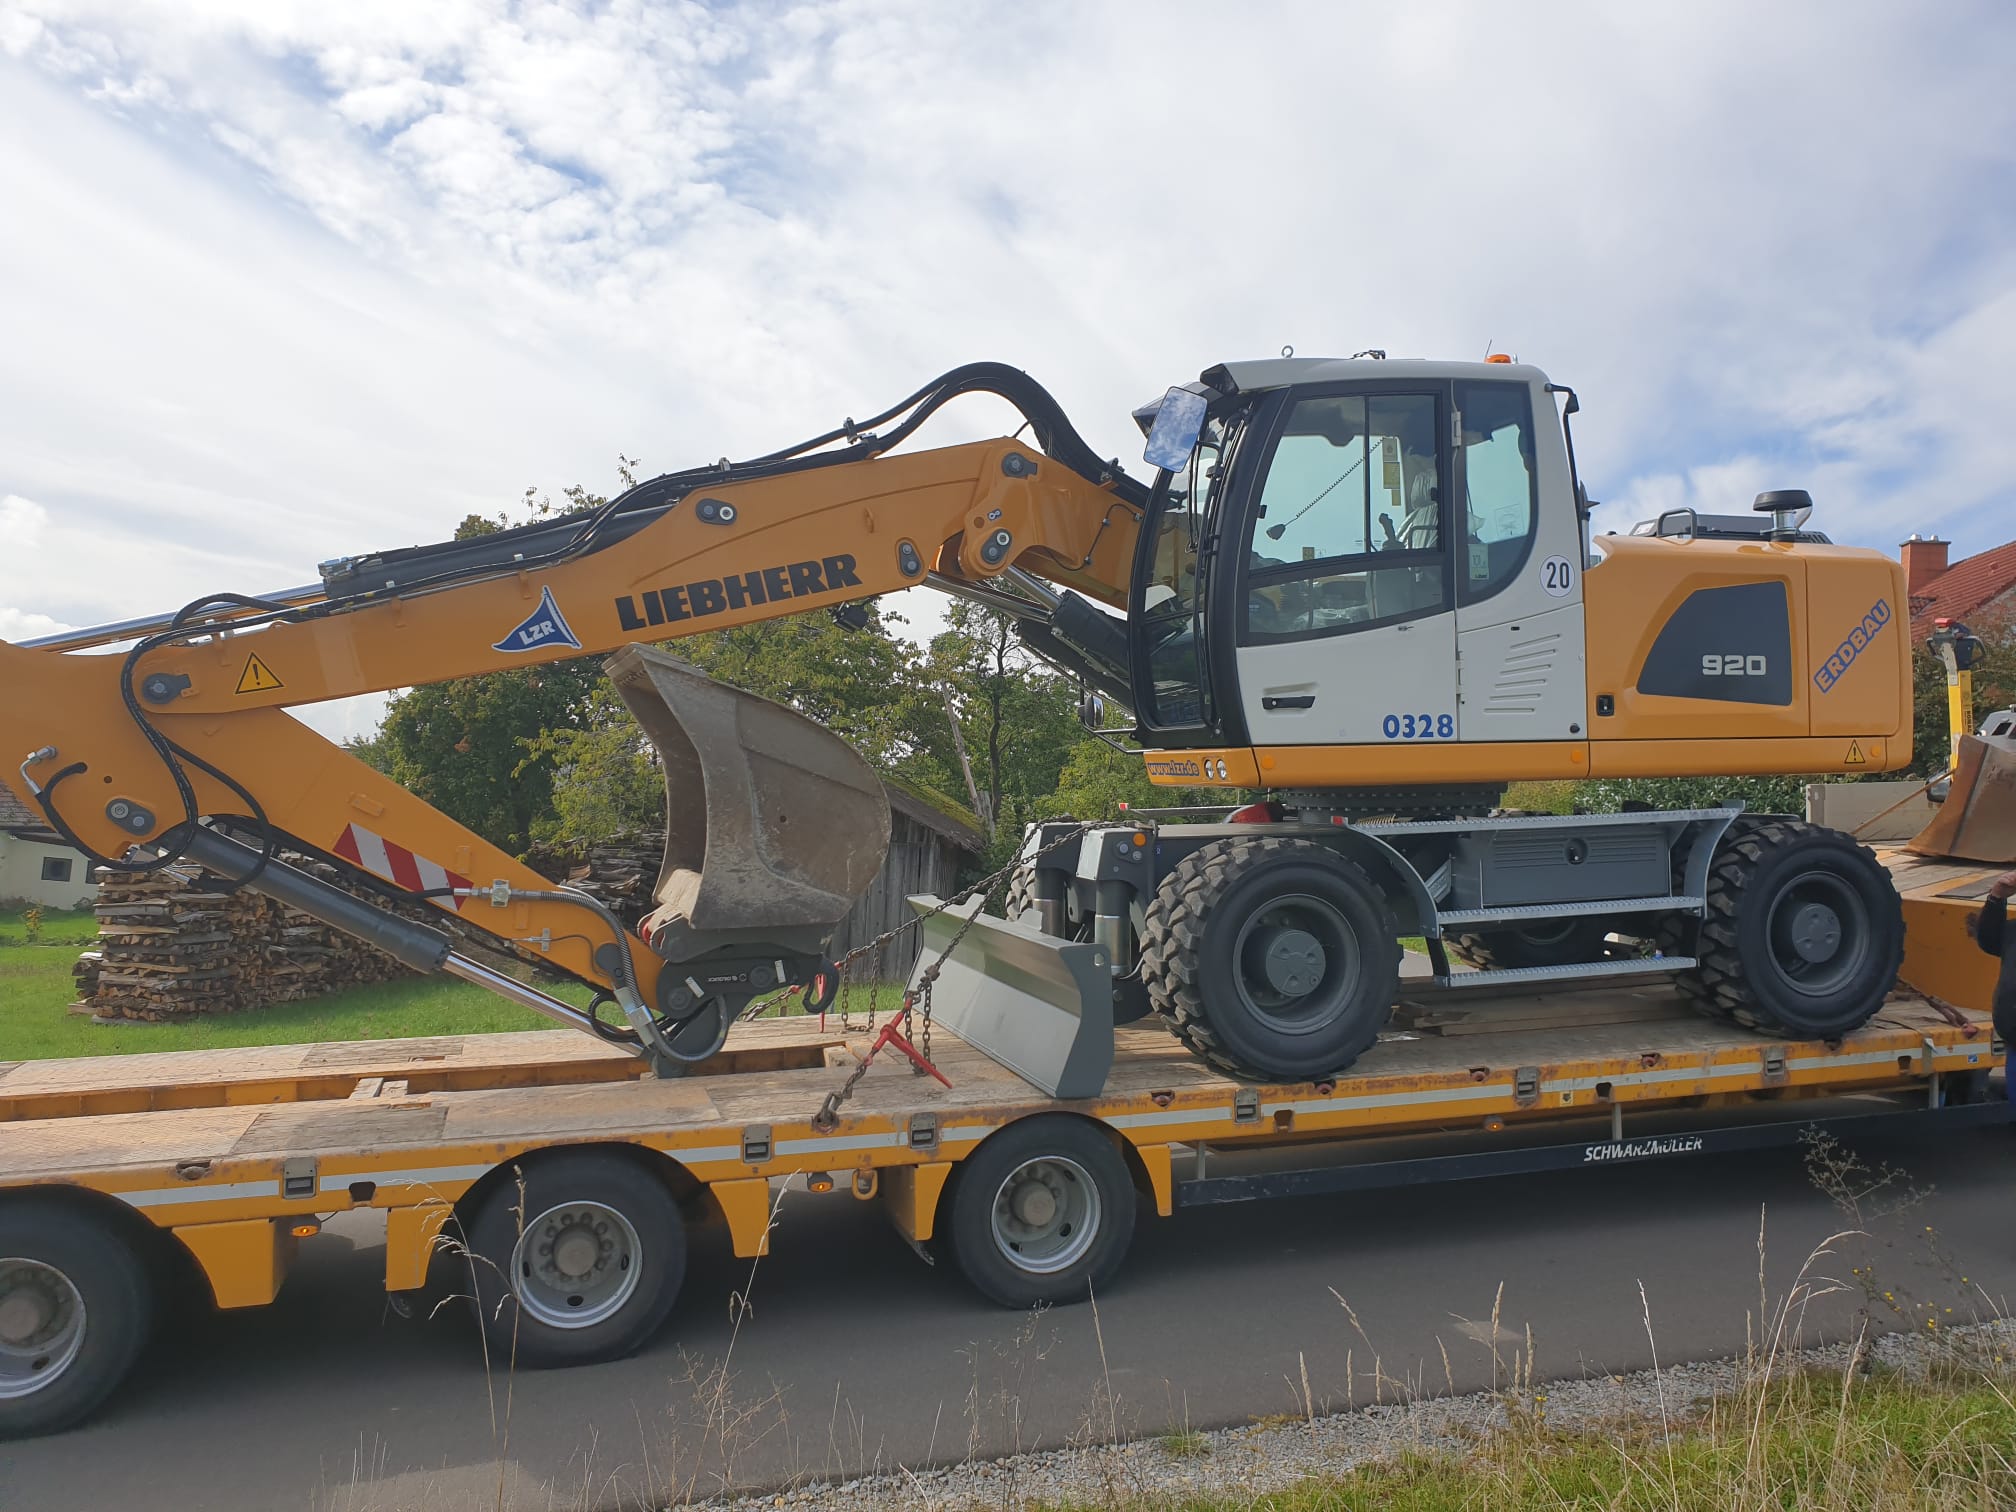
column 1178, row 424
column 1092, row 710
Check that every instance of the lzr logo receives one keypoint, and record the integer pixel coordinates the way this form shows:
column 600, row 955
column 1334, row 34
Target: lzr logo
column 543, row 627
column 1843, row 655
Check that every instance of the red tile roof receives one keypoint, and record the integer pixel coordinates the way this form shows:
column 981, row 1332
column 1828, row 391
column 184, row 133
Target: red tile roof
column 1964, row 588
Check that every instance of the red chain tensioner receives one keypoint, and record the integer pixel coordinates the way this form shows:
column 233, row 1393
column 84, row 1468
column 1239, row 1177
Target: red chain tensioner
column 893, row 1035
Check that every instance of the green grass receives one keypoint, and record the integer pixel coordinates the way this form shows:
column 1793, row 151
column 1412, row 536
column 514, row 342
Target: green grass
column 36, row 990
column 35, row 1024
column 1800, row 1445
column 1551, row 797
column 59, row 926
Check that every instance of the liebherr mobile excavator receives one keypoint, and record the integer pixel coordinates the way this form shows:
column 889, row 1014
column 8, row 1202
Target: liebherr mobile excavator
column 1368, row 589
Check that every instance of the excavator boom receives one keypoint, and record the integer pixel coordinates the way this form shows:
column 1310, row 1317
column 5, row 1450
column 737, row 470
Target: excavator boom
column 775, row 825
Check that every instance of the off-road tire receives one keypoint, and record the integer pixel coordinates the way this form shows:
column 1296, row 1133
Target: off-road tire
column 967, row 1232
column 1741, row 944
column 1568, row 942
column 1021, row 896
column 568, row 1179
column 109, row 1278
column 1192, row 932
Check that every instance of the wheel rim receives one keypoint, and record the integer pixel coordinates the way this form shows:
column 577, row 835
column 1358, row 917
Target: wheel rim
column 41, row 1326
column 576, row 1264
column 1046, row 1214
column 1295, row 962
column 1819, row 935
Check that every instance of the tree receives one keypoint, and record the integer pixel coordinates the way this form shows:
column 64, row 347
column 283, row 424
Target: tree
column 866, row 686
column 1018, row 717
column 607, row 779
column 1760, row 795
column 472, row 748
column 477, row 748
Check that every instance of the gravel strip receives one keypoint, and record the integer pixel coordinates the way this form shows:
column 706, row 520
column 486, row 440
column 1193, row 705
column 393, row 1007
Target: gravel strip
column 1250, row 1461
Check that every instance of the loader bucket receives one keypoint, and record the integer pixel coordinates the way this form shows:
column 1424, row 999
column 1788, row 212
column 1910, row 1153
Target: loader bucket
column 1977, row 822
column 774, row 825
column 1040, row 1006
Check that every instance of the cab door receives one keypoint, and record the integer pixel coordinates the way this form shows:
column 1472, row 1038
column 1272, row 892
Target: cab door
column 1344, row 634
column 1518, row 570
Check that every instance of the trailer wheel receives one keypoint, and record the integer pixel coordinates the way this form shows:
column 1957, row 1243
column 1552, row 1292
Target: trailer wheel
column 75, row 1305
column 1804, row 931
column 1271, row 958
column 1545, row 942
column 1040, row 1212
column 591, row 1270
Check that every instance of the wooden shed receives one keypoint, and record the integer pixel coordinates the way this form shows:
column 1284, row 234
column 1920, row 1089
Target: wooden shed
column 932, row 842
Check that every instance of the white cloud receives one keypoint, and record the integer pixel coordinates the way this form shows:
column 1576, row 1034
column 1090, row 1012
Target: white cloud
column 21, row 522
column 305, row 279
column 19, row 625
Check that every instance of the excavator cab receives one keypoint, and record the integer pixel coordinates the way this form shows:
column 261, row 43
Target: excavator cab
column 1342, row 532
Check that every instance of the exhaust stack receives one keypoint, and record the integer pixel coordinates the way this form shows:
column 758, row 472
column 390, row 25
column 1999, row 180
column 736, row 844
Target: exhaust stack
column 774, row 825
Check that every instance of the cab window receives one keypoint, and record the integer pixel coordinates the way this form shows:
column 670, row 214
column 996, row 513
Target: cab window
column 1348, row 530
column 1500, row 490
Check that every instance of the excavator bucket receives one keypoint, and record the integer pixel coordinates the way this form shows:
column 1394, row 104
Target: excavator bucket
column 774, row 825
column 1977, row 822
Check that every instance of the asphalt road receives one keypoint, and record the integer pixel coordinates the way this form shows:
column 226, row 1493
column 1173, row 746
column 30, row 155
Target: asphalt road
column 857, row 1355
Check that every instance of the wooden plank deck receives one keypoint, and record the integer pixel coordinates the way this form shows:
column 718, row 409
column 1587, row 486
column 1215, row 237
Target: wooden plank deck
column 1421, row 1078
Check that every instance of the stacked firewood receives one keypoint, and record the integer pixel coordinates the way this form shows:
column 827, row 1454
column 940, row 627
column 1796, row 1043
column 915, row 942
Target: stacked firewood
column 172, row 943
column 622, row 874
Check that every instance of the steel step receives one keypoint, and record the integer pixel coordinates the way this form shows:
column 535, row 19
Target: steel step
column 1580, row 971
column 1541, row 822
column 1450, row 918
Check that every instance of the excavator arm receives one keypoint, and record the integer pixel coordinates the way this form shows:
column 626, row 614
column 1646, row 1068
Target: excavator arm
column 189, row 726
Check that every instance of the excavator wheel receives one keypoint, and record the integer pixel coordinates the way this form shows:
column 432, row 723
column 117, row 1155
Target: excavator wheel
column 1547, row 942
column 1271, row 958
column 1803, row 935
column 1021, row 897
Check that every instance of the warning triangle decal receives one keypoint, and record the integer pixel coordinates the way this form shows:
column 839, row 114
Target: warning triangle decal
column 257, row 676
column 1855, row 756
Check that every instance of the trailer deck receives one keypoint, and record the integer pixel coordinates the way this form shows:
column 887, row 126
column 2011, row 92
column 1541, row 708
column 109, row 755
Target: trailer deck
column 238, row 1154
column 200, row 1137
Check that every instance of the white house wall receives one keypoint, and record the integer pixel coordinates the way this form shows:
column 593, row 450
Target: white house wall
column 21, row 875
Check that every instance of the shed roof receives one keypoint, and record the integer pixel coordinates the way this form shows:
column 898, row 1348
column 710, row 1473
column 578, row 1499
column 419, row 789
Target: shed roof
column 936, row 812
column 16, row 815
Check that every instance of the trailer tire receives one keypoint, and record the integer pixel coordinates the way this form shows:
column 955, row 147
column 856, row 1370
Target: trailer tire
column 75, row 1308
column 1213, row 976
column 592, row 1270
column 1803, row 934
column 1041, row 1213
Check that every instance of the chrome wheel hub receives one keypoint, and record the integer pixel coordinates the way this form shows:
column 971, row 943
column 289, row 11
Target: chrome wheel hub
column 41, row 1326
column 1046, row 1214
column 576, row 1264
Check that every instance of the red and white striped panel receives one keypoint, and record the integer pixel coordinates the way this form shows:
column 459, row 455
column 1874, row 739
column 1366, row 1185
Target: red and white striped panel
column 398, row 865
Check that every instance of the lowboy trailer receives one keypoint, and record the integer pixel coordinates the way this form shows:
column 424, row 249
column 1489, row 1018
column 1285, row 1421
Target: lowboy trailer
column 568, row 1167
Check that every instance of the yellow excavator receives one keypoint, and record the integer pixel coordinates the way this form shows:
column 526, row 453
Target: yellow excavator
column 1366, row 590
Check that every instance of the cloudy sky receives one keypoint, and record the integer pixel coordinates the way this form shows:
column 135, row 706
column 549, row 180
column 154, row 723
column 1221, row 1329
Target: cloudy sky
column 286, row 281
